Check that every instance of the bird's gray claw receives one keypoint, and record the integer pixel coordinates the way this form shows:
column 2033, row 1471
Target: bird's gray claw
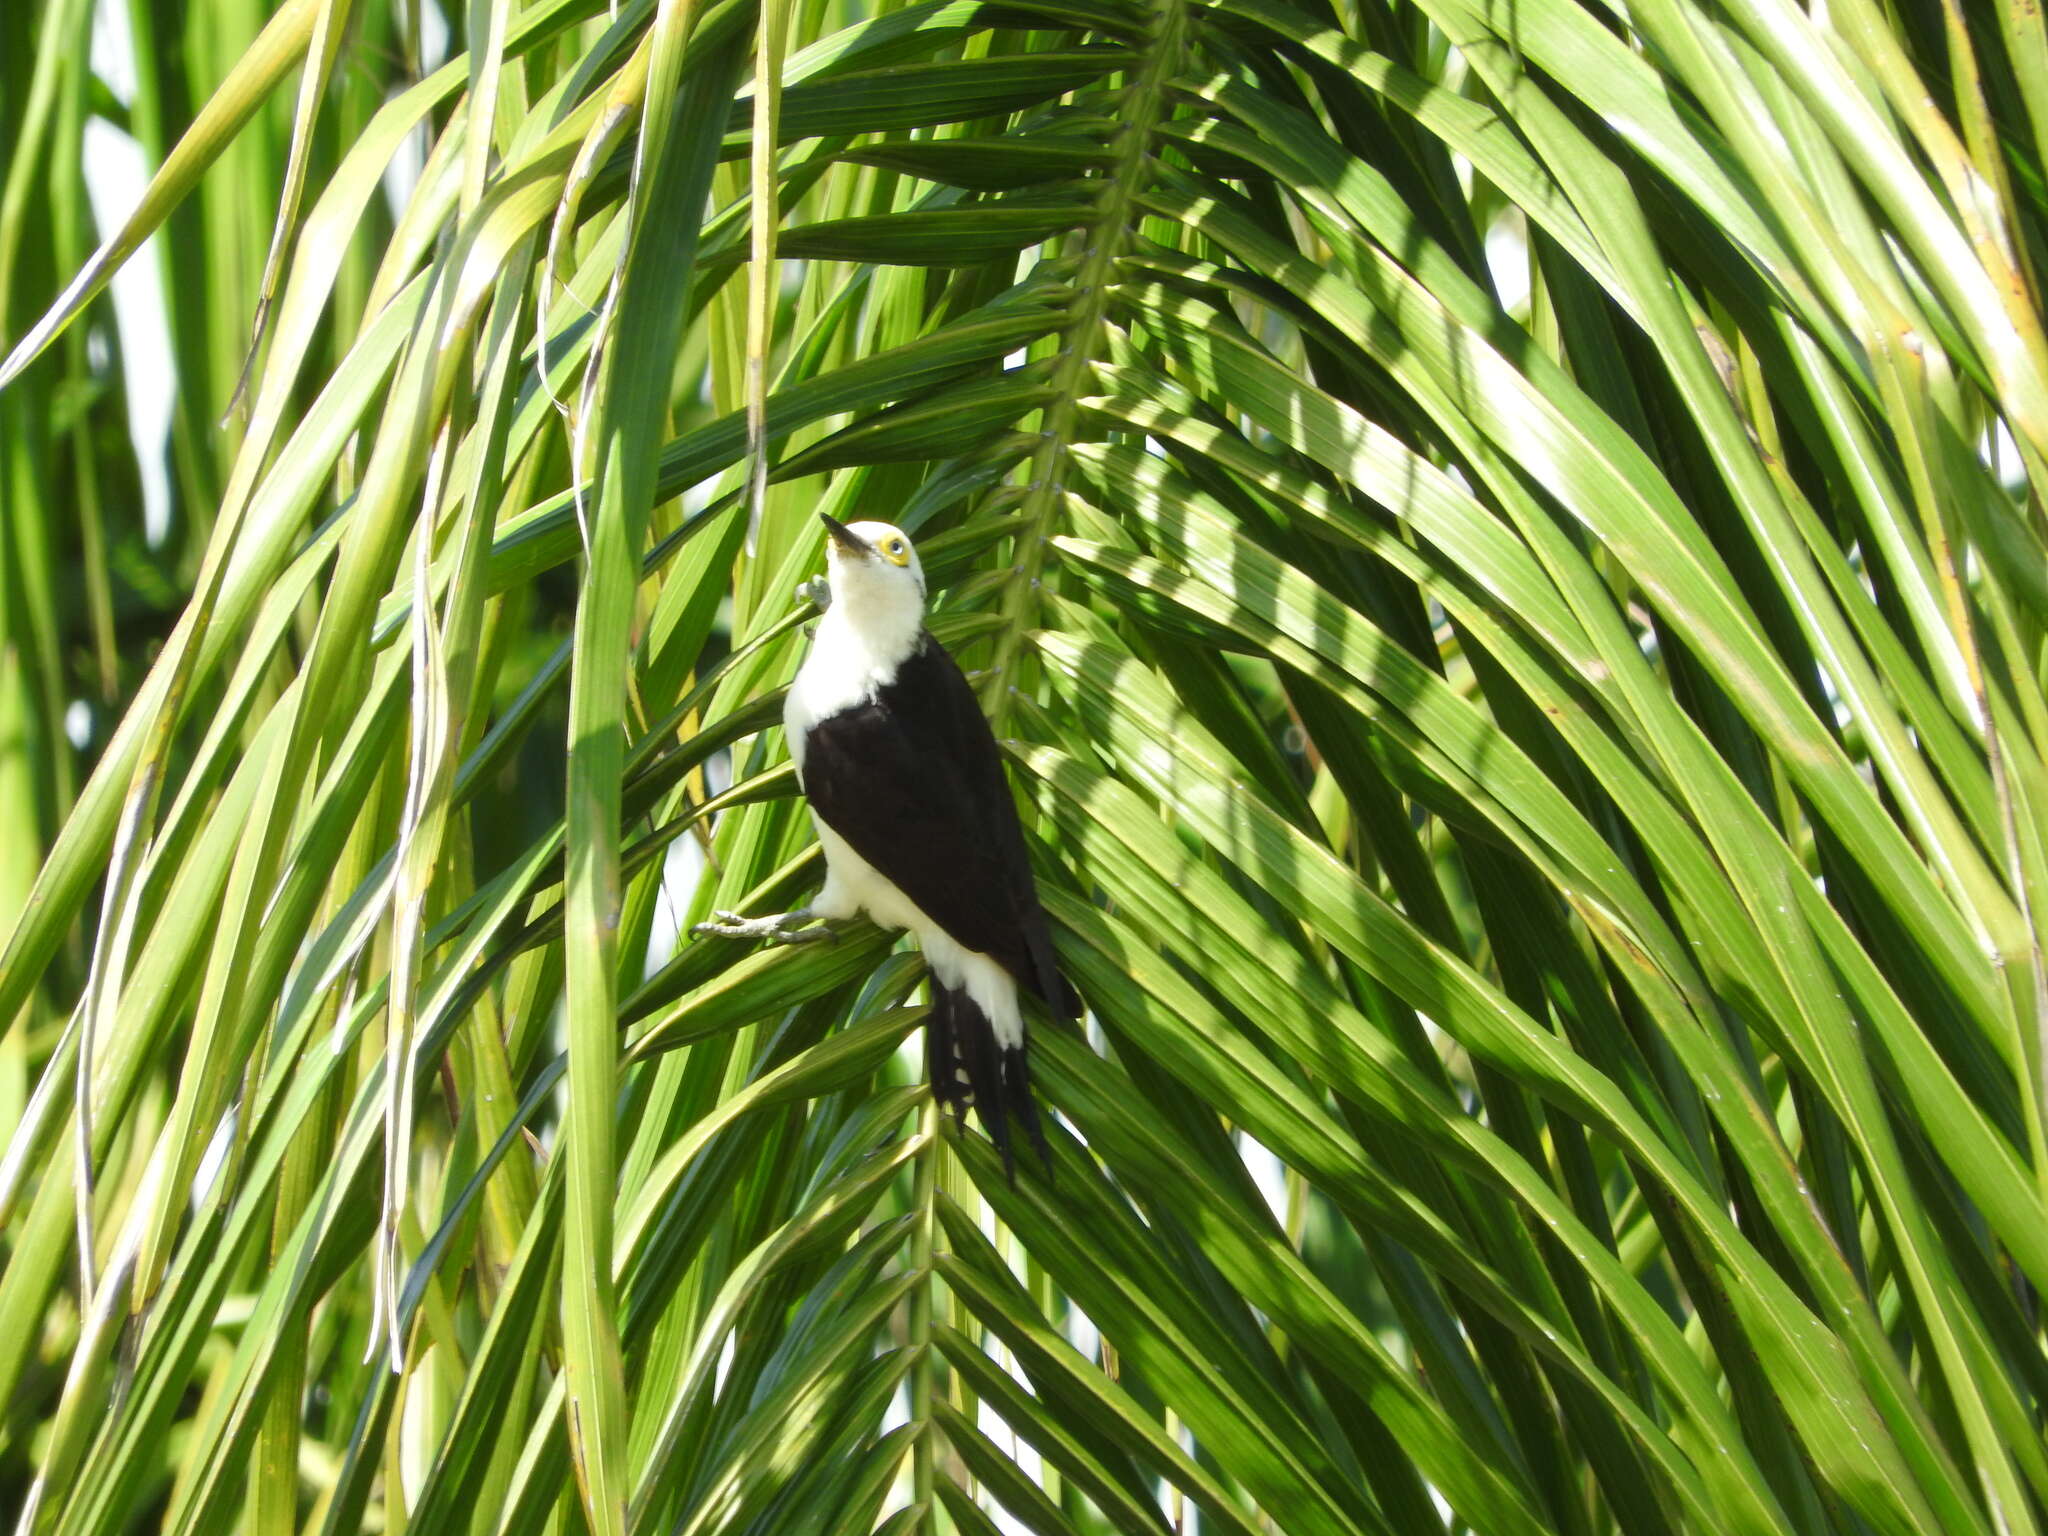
column 730, row 925
column 781, row 928
column 817, row 591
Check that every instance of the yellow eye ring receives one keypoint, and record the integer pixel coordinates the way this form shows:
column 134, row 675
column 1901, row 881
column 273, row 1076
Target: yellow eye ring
column 895, row 551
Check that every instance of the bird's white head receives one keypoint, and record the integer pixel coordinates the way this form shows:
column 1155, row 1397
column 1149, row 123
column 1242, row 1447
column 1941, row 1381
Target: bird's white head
column 877, row 582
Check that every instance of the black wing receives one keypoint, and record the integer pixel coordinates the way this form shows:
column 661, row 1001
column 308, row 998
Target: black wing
column 914, row 782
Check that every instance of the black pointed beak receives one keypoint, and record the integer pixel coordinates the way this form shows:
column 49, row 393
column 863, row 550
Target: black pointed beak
column 849, row 542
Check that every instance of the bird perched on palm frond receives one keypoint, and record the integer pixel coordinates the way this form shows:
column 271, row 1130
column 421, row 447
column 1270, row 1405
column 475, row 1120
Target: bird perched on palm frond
column 906, row 787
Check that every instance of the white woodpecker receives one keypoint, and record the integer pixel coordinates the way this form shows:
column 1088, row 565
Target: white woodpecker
column 907, row 790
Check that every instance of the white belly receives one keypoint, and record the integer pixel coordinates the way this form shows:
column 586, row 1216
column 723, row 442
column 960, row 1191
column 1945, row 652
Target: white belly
column 854, row 886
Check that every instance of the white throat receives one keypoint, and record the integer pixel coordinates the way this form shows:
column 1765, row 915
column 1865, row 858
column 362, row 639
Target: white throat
column 881, row 619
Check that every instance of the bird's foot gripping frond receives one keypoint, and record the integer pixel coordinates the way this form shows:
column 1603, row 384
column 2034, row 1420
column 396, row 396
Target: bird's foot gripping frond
column 780, row 928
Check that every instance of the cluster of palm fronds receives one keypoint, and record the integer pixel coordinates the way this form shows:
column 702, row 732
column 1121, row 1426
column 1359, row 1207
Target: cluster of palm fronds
column 1502, row 539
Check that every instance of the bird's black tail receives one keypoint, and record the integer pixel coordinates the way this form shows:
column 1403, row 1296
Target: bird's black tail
column 969, row 1066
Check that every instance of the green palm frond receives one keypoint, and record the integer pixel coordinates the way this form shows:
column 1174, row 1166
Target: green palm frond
column 1502, row 544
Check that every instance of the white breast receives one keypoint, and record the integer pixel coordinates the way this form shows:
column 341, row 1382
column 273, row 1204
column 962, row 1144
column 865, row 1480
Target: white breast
column 845, row 666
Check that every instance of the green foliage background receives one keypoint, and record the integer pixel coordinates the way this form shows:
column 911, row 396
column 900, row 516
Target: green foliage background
column 1503, row 538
